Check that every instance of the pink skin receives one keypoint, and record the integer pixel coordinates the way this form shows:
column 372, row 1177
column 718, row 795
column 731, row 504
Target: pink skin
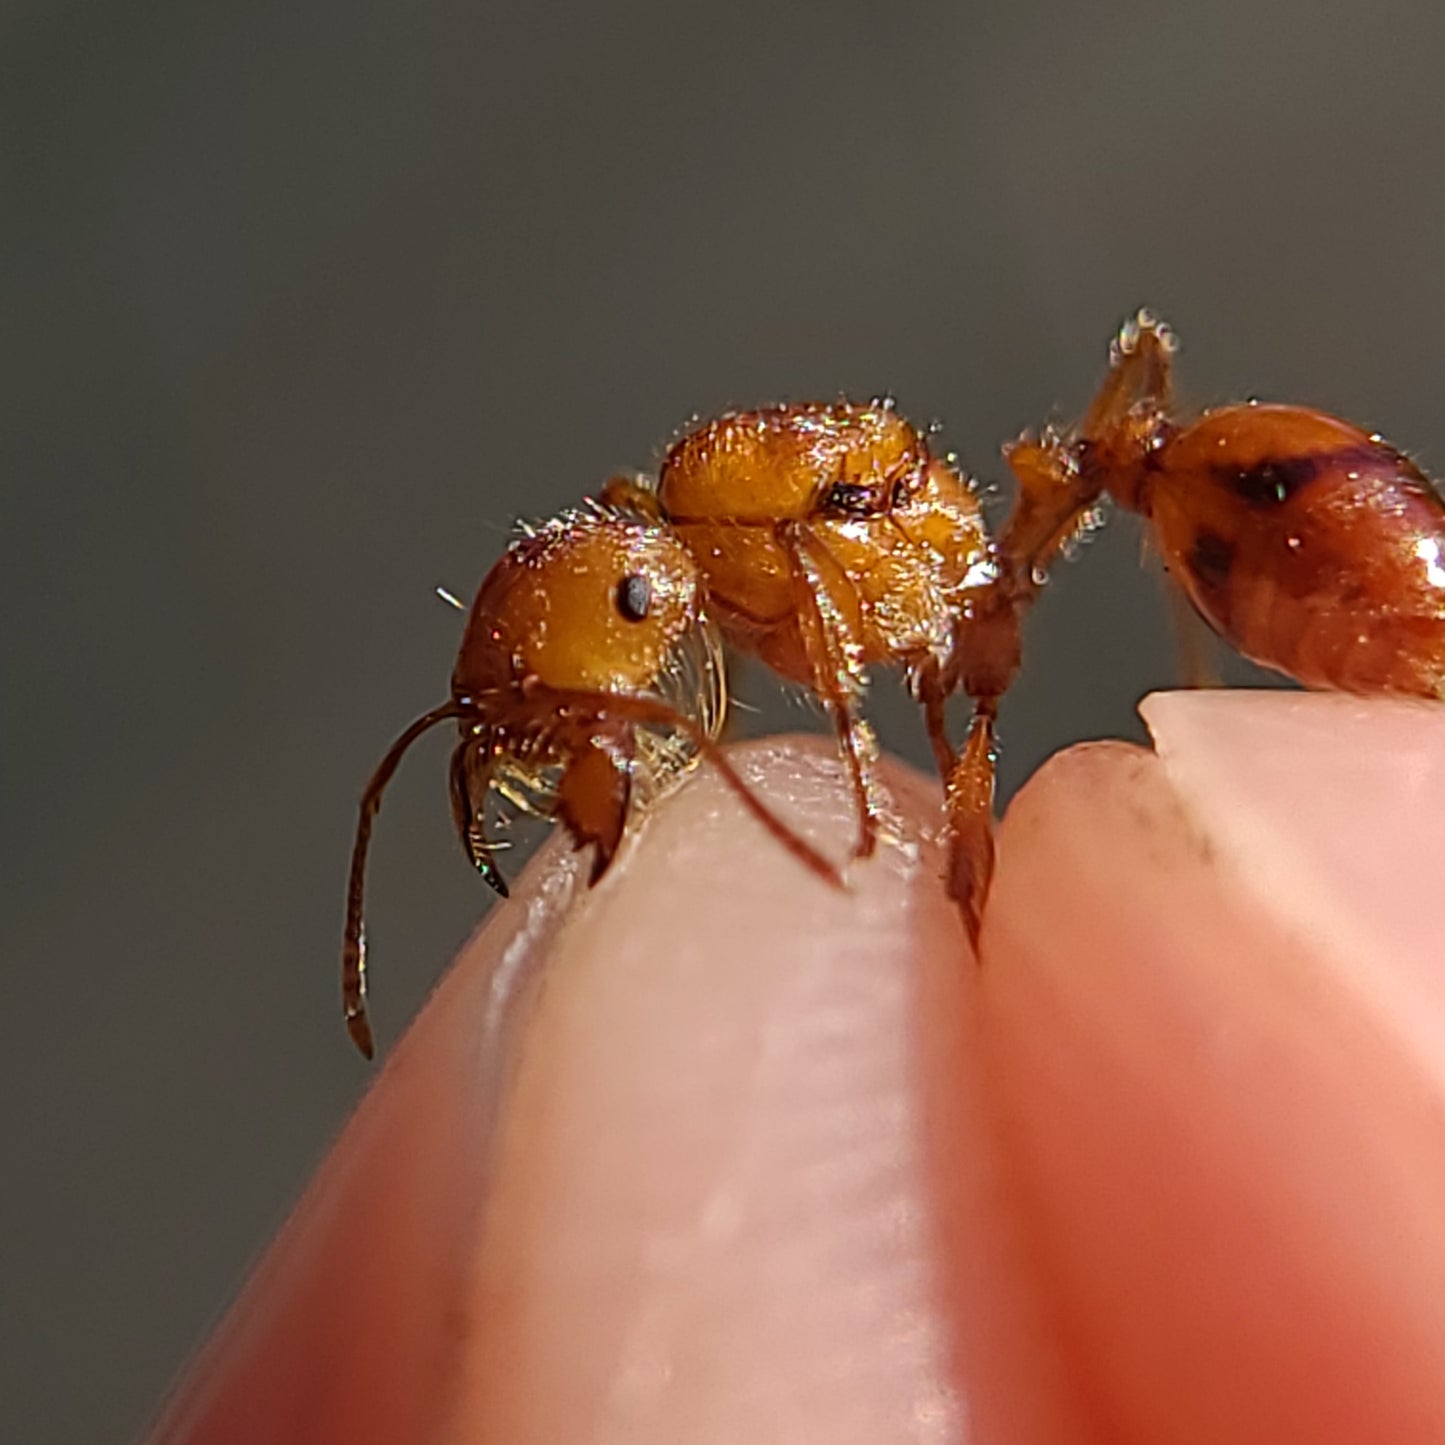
column 713, row 1153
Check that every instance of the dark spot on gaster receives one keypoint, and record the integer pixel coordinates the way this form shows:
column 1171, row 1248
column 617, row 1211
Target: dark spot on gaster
column 853, row 499
column 634, row 597
column 1211, row 559
column 1277, row 479
column 1272, row 481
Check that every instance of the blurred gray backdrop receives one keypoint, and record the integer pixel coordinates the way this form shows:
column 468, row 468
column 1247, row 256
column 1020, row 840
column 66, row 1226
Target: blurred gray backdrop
column 303, row 302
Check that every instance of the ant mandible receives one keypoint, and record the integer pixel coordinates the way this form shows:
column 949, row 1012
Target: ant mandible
column 588, row 675
column 1308, row 544
column 830, row 539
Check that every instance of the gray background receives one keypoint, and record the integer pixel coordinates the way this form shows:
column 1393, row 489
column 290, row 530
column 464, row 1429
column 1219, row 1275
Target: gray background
column 304, row 301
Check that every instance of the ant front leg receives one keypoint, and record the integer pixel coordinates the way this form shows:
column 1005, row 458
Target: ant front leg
column 471, row 778
column 830, row 622
column 615, row 717
column 595, row 793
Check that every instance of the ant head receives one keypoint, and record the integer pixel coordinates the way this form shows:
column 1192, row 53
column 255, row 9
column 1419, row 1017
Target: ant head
column 589, row 602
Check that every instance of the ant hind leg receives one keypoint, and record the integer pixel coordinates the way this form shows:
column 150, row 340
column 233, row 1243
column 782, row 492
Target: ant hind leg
column 1141, row 364
column 1194, row 639
column 654, row 712
column 968, row 801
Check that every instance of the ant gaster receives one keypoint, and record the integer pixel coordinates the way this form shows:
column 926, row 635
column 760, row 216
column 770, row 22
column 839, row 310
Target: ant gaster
column 1310, row 545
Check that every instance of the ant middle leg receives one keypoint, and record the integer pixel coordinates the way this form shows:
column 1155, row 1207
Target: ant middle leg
column 968, row 805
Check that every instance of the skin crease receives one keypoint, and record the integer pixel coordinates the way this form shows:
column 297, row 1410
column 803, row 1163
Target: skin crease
column 758, row 1161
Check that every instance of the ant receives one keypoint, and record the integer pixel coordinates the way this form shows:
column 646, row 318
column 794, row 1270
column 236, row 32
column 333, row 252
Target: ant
column 589, row 675
column 825, row 538
column 1311, row 546
column 829, row 539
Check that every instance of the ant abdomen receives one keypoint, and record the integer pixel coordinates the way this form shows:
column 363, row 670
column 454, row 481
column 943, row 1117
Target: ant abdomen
column 1307, row 543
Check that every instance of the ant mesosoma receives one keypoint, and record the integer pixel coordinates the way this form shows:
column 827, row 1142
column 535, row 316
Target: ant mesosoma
column 830, row 539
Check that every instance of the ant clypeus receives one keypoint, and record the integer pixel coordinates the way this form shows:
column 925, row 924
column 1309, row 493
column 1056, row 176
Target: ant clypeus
column 1310, row 545
column 588, row 672
column 830, row 539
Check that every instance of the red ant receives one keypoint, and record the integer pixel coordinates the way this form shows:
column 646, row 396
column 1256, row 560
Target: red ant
column 588, row 675
column 826, row 538
column 1310, row 545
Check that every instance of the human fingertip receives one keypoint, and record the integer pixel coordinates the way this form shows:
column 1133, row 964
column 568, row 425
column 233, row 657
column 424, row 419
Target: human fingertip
column 1213, row 1004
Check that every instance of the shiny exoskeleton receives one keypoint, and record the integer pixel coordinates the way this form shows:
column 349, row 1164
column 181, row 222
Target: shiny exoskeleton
column 1310, row 545
column 588, row 675
column 829, row 540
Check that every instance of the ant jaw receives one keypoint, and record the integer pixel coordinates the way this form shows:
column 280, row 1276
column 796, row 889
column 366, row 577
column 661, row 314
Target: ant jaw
column 492, row 874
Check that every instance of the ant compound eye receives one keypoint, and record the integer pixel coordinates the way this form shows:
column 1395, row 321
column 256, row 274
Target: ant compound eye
column 634, row 597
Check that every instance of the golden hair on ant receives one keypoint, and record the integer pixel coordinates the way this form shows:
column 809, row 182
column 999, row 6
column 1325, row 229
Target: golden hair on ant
column 588, row 676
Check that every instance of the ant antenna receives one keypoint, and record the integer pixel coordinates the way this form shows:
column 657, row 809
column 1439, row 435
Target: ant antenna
column 353, row 945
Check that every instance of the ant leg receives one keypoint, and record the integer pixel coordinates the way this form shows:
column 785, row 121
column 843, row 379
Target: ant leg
column 1141, row 359
column 595, row 792
column 1061, row 478
column 1193, row 638
column 655, row 712
column 1052, row 504
column 630, row 494
column 471, row 777
column 932, row 695
column 830, row 622
column 968, row 802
